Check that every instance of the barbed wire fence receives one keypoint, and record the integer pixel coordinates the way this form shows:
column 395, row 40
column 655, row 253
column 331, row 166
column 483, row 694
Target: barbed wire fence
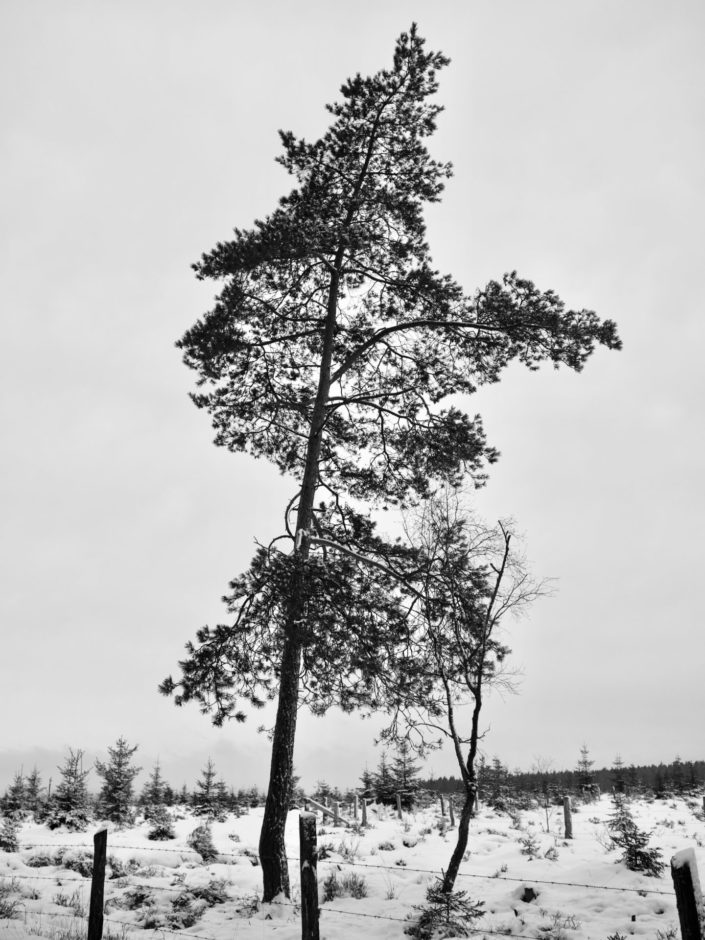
column 683, row 870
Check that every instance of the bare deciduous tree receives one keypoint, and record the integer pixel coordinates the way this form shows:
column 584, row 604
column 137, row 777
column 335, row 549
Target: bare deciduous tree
column 473, row 577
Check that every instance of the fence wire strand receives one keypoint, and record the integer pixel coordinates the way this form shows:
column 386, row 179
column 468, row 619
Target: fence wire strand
column 423, row 871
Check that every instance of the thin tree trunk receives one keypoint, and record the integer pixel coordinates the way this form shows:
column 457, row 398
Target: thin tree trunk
column 462, row 840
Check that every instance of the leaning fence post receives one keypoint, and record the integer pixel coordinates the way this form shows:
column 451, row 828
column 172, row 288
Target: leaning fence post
column 451, row 813
column 686, row 883
column 308, row 860
column 567, row 817
column 356, row 806
column 95, row 912
column 363, row 806
column 399, row 813
column 443, row 805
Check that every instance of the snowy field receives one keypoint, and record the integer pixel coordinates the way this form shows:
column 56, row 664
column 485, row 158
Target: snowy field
column 581, row 890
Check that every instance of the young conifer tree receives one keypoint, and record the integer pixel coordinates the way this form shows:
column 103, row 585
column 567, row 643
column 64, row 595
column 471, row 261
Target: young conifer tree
column 329, row 352
column 116, row 796
column 406, row 772
column 34, row 791
column 69, row 804
column 153, row 796
column 15, row 798
column 385, row 784
column 584, row 768
column 210, row 796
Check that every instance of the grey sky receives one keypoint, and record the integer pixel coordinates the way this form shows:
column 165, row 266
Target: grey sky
column 134, row 136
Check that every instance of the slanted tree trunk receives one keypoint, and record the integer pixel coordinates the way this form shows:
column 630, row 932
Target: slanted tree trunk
column 272, row 845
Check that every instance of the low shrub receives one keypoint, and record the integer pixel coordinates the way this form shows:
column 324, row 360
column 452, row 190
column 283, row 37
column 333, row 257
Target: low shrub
column 349, row 886
column 201, row 841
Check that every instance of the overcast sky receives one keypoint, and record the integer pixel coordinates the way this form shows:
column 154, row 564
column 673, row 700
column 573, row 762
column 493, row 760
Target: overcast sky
column 136, row 135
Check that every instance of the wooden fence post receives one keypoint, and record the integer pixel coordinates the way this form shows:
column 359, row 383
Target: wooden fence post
column 336, row 813
column 363, row 806
column 399, row 806
column 95, row 911
column 450, row 812
column 308, row 860
column 356, row 806
column 686, row 883
column 567, row 817
column 443, row 805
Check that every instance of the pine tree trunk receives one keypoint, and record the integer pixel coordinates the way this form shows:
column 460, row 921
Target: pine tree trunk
column 462, row 841
column 272, row 846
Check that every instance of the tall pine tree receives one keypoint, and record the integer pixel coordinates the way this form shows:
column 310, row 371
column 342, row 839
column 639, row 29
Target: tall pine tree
column 329, row 351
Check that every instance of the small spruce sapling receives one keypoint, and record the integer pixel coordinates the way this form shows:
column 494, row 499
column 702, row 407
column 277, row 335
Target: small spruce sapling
column 153, row 796
column 9, row 833
column 162, row 827
column 210, row 796
column 445, row 914
column 69, row 804
column 116, row 795
column 625, row 834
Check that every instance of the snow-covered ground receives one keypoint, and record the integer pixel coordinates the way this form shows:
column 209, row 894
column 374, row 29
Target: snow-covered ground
column 581, row 891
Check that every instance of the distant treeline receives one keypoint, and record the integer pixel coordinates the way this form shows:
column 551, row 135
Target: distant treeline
column 657, row 778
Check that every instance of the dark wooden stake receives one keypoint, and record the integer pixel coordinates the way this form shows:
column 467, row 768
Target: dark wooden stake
column 686, row 884
column 443, row 805
column 399, row 806
column 356, row 806
column 451, row 813
column 95, row 914
column 308, row 855
column 336, row 813
column 567, row 817
column 363, row 807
